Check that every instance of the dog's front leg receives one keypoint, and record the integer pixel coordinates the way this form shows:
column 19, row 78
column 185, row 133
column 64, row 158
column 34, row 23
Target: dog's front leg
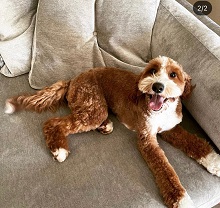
column 174, row 194
column 195, row 147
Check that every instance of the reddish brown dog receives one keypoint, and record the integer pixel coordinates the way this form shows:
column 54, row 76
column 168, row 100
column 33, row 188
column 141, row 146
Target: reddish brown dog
column 148, row 103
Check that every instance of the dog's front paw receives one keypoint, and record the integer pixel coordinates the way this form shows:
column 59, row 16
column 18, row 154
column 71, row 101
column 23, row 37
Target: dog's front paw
column 212, row 163
column 185, row 202
column 60, row 154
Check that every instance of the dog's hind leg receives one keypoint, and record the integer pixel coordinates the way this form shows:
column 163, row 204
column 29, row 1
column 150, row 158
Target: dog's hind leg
column 56, row 130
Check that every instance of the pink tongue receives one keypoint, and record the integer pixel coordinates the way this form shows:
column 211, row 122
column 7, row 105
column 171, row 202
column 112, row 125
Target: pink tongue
column 156, row 102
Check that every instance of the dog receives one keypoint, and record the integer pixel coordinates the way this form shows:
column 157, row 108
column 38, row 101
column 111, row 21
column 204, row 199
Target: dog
column 148, row 103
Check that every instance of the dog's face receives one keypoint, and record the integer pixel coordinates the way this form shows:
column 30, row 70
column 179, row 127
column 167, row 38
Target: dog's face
column 163, row 81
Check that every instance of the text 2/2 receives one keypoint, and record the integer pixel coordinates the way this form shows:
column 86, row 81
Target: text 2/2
column 202, row 7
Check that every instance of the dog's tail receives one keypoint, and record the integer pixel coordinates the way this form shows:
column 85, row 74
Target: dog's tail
column 49, row 98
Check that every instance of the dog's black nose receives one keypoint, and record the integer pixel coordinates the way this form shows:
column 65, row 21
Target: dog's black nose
column 158, row 87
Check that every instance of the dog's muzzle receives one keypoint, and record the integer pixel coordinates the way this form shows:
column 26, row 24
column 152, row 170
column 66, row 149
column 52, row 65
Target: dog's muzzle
column 156, row 100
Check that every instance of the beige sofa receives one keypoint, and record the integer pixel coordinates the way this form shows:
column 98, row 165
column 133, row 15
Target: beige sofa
column 58, row 40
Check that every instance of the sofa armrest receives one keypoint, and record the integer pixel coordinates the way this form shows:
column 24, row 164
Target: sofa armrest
column 180, row 35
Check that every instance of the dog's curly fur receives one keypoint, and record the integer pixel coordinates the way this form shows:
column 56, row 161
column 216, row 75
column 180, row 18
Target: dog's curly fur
column 148, row 103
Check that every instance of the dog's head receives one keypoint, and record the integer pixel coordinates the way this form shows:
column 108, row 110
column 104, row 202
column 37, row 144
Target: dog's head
column 163, row 81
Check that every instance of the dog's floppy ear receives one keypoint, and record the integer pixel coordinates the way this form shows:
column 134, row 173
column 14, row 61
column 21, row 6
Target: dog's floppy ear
column 188, row 87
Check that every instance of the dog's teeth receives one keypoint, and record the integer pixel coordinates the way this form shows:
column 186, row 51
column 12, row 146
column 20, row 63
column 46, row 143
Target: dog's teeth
column 60, row 154
column 9, row 108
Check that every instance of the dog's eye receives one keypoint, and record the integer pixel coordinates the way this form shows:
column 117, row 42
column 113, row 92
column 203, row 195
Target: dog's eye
column 153, row 71
column 173, row 74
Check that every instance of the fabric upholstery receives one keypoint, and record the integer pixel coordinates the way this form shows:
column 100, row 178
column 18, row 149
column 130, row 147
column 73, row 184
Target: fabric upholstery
column 103, row 33
column 204, row 19
column 17, row 21
column 197, row 48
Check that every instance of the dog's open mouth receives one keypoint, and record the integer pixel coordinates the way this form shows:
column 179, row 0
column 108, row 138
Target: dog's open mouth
column 156, row 102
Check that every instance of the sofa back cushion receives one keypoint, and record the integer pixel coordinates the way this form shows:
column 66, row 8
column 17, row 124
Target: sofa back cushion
column 17, row 20
column 72, row 36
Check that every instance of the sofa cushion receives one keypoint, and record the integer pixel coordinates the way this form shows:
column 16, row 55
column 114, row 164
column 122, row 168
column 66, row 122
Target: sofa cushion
column 17, row 22
column 101, row 171
column 72, row 36
column 180, row 35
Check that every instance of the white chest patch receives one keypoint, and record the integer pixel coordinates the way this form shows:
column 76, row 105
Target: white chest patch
column 164, row 120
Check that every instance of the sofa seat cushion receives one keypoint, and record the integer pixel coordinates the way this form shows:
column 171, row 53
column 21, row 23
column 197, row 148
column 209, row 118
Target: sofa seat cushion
column 72, row 36
column 101, row 171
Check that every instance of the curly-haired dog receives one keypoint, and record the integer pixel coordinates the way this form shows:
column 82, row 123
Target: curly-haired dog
column 149, row 103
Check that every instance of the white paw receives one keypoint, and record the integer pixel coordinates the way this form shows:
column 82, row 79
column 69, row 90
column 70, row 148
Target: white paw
column 106, row 128
column 9, row 108
column 60, row 154
column 212, row 163
column 109, row 127
column 185, row 202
